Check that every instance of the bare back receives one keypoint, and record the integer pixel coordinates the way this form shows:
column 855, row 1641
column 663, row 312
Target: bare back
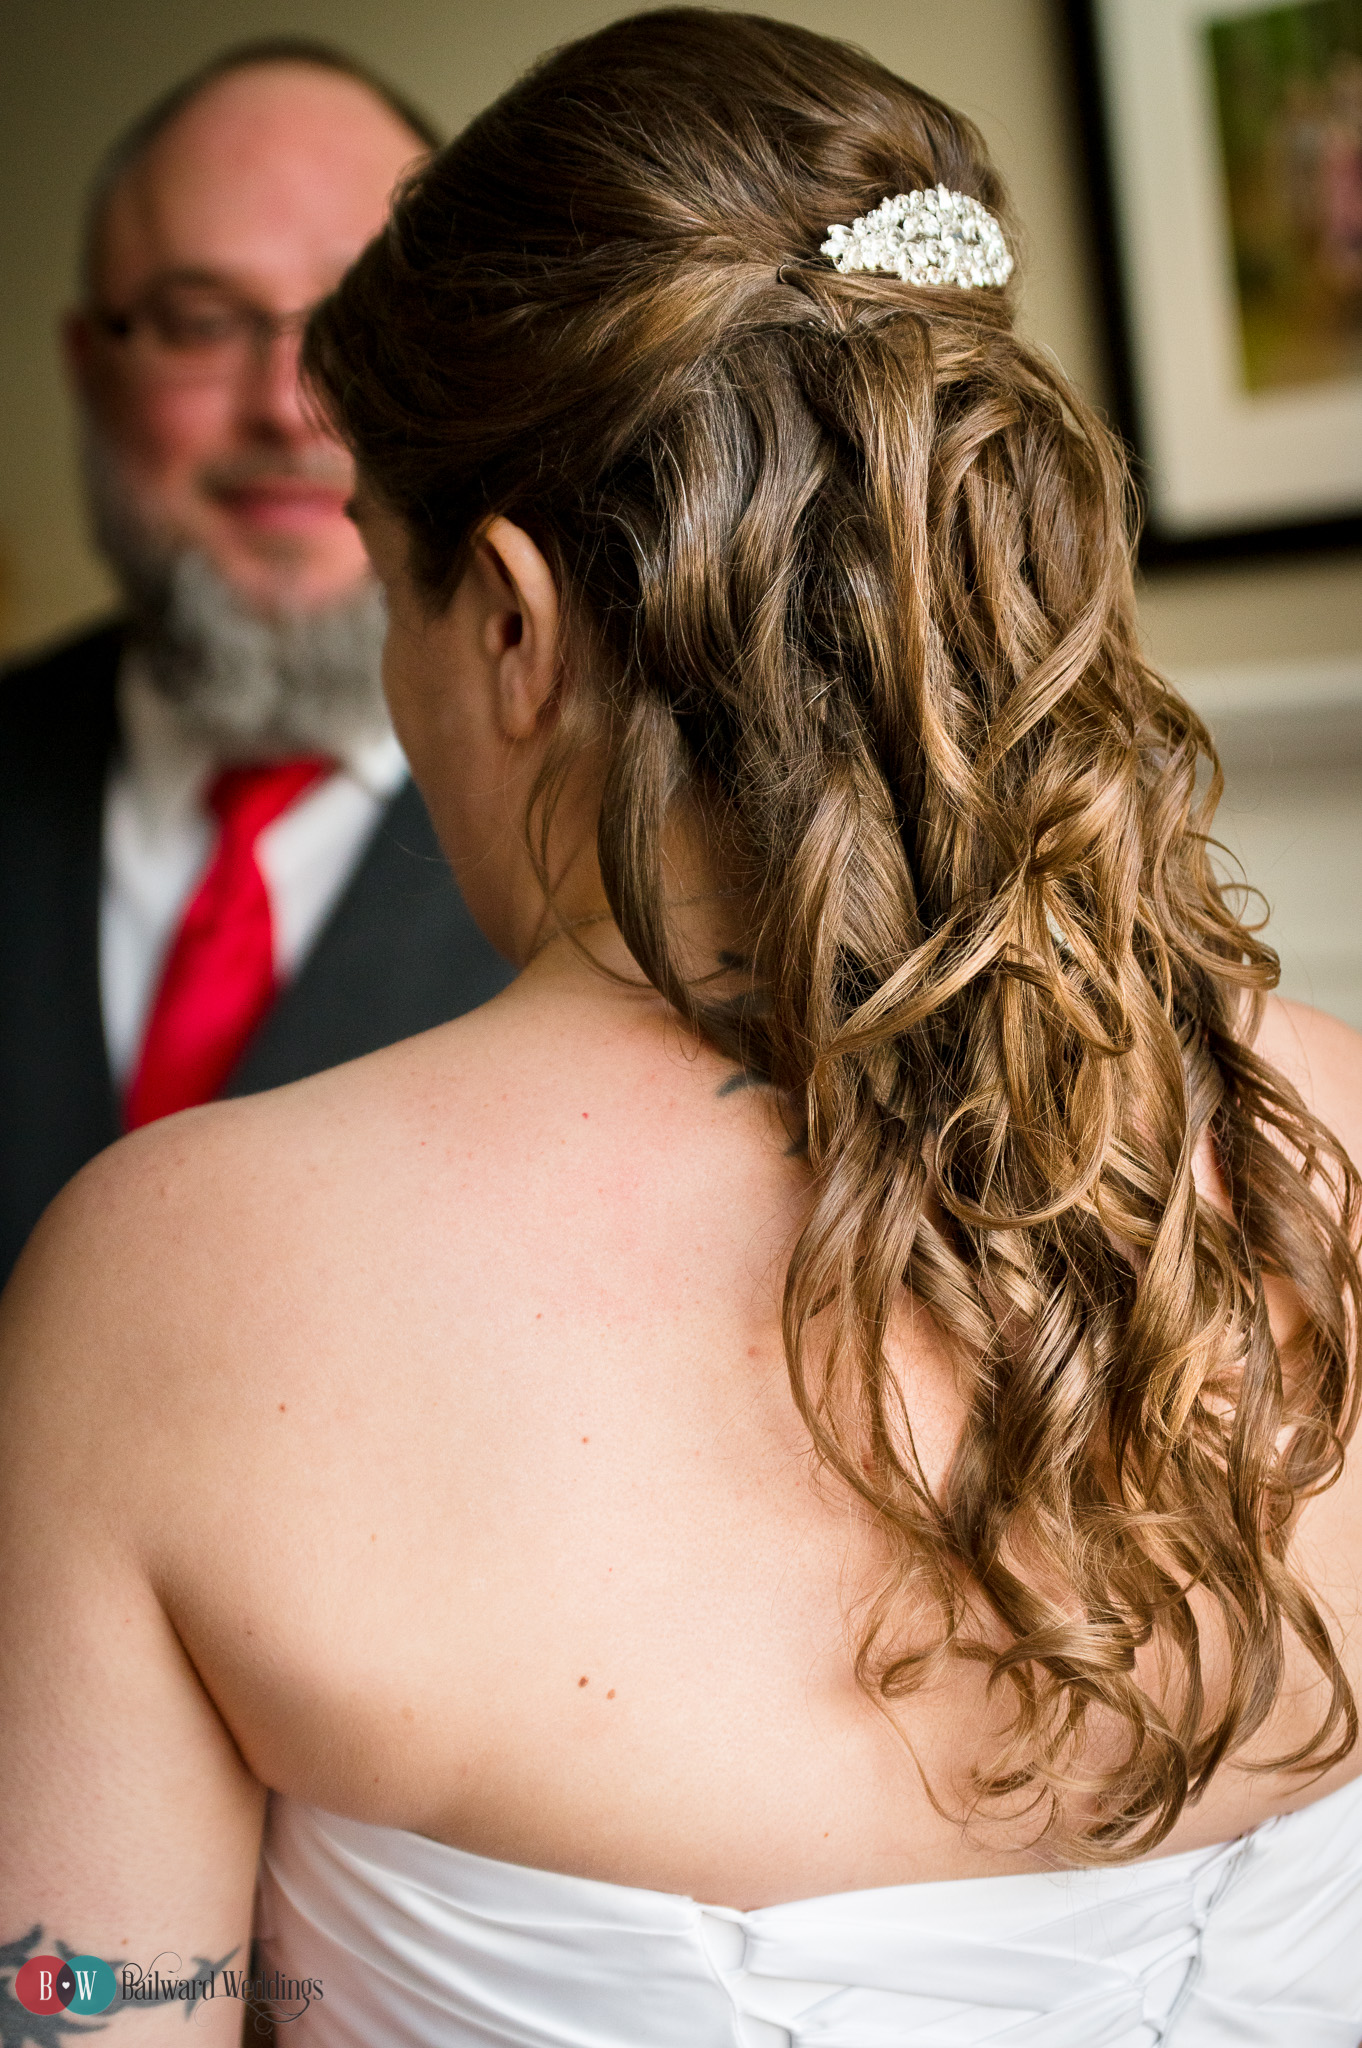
column 439, row 1406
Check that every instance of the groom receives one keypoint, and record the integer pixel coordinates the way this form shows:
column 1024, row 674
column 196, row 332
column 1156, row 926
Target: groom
column 215, row 873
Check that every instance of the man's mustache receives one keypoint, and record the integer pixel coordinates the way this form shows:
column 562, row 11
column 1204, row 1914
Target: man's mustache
column 328, row 468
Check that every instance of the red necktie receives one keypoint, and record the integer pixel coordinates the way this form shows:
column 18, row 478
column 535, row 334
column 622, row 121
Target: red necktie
column 218, row 979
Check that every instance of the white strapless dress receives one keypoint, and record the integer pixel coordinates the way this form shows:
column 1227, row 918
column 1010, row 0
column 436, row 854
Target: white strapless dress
column 1255, row 1942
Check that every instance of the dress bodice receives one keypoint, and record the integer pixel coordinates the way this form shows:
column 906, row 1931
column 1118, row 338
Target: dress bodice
column 1255, row 1943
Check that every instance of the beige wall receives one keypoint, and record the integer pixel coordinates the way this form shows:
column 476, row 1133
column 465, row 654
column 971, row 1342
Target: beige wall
column 1270, row 650
column 1253, row 641
column 73, row 71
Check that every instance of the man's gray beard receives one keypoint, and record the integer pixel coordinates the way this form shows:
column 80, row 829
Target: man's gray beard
column 256, row 688
column 253, row 687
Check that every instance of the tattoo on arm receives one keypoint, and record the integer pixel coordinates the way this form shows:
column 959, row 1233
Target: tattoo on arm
column 51, row 1995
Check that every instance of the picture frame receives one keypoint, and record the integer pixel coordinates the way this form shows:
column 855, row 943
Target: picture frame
column 1228, row 219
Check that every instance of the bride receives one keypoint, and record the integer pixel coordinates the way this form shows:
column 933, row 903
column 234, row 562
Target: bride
column 787, row 1480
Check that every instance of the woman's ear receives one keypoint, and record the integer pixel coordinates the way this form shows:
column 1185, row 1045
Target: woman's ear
column 520, row 626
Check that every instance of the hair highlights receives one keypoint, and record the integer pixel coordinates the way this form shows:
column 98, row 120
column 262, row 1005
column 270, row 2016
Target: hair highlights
column 854, row 564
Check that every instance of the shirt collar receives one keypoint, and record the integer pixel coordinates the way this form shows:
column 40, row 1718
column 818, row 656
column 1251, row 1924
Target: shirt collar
column 169, row 768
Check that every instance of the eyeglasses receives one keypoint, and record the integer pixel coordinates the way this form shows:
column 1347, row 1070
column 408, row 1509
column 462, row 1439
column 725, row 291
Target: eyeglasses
column 196, row 334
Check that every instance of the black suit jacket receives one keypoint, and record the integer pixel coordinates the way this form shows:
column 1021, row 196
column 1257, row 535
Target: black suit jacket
column 399, row 953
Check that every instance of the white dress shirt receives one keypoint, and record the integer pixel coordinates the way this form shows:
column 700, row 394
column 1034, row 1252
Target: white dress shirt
column 158, row 839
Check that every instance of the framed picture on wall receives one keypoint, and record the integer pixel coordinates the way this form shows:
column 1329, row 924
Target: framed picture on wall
column 1226, row 145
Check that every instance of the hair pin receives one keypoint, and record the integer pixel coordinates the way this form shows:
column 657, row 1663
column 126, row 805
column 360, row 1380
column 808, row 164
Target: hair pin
column 927, row 237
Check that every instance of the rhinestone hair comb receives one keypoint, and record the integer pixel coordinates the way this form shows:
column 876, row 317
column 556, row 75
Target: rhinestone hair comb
column 934, row 236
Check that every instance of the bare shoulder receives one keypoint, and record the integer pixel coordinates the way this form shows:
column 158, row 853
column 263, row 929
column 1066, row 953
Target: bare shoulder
column 332, row 1259
column 183, row 1290
column 227, row 1242
column 180, row 1212
column 1323, row 1060
column 108, row 1317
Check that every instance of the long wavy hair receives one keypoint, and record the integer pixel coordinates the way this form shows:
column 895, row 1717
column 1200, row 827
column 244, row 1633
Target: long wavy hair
column 852, row 561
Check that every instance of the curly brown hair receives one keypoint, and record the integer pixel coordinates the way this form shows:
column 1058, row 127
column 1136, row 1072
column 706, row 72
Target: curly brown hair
column 853, row 563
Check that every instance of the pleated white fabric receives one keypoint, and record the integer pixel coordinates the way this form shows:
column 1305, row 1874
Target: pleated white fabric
column 1254, row 1944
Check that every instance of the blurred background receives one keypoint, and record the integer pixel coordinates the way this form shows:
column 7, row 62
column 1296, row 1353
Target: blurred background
column 1269, row 649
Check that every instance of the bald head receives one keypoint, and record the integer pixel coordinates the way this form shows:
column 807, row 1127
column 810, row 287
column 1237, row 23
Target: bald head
column 260, row 157
column 273, row 177
column 241, row 208
column 263, row 52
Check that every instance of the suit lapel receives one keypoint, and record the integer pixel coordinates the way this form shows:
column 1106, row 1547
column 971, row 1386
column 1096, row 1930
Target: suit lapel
column 57, row 1105
column 399, row 954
